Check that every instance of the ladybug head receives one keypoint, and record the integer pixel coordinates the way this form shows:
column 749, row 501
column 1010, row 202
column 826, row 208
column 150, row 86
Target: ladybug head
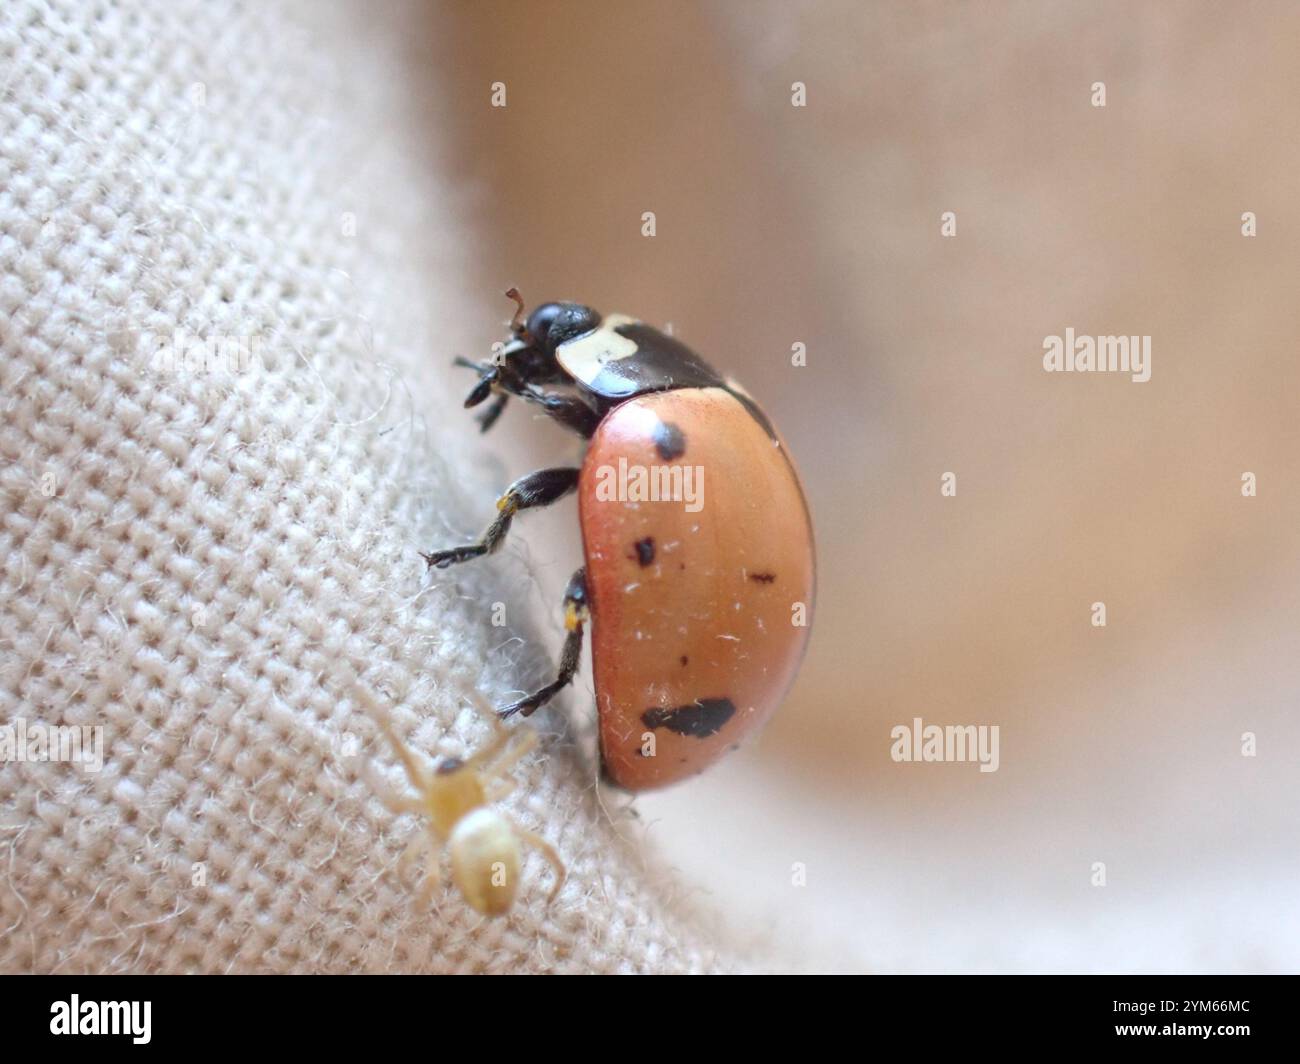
column 551, row 324
column 529, row 358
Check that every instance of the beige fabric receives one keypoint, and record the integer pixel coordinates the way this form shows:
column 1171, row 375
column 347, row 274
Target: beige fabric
column 223, row 553
column 289, row 503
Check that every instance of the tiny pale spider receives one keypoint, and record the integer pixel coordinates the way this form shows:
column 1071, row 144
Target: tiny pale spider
column 482, row 843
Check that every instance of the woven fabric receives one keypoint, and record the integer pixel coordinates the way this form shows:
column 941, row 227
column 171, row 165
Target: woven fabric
column 227, row 262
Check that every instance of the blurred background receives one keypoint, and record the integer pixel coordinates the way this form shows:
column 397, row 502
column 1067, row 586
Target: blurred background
column 821, row 225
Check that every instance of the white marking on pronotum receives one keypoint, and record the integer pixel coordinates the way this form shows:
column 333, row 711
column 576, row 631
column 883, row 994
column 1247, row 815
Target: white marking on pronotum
column 585, row 356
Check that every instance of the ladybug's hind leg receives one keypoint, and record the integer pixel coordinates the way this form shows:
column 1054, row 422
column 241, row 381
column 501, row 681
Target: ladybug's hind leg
column 537, row 489
column 576, row 614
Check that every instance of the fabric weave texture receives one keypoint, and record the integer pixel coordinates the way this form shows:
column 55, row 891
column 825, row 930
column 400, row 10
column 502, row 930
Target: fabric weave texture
column 225, row 254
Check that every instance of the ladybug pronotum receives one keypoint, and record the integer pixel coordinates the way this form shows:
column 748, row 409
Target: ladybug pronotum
column 698, row 580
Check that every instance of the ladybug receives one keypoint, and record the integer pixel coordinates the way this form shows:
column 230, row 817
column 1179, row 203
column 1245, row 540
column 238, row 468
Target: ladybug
column 698, row 544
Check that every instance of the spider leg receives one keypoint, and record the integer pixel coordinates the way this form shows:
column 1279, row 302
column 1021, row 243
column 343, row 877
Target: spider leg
column 505, row 757
column 549, row 852
column 416, row 773
column 491, row 750
column 499, row 788
column 393, row 802
column 430, row 884
column 418, row 846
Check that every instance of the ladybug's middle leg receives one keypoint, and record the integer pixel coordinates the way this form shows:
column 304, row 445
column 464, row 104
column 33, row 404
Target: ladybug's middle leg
column 537, row 489
column 576, row 614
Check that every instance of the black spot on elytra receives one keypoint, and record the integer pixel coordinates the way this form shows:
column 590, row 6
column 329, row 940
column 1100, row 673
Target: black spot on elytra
column 762, row 578
column 670, row 441
column 645, row 550
column 698, row 719
column 685, row 660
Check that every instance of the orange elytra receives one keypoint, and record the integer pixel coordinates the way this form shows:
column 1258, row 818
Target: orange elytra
column 699, row 573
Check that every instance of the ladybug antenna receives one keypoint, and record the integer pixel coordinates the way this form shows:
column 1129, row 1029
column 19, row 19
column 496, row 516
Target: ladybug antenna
column 517, row 322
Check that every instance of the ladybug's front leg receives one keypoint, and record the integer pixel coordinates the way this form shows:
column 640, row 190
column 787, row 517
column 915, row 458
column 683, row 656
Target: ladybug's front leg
column 569, row 410
column 499, row 382
column 576, row 613
column 537, row 489
column 489, row 416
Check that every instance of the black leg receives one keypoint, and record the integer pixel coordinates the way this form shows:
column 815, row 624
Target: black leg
column 575, row 616
column 489, row 416
column 499, row 382
column 569, row 410
column 537, row 489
